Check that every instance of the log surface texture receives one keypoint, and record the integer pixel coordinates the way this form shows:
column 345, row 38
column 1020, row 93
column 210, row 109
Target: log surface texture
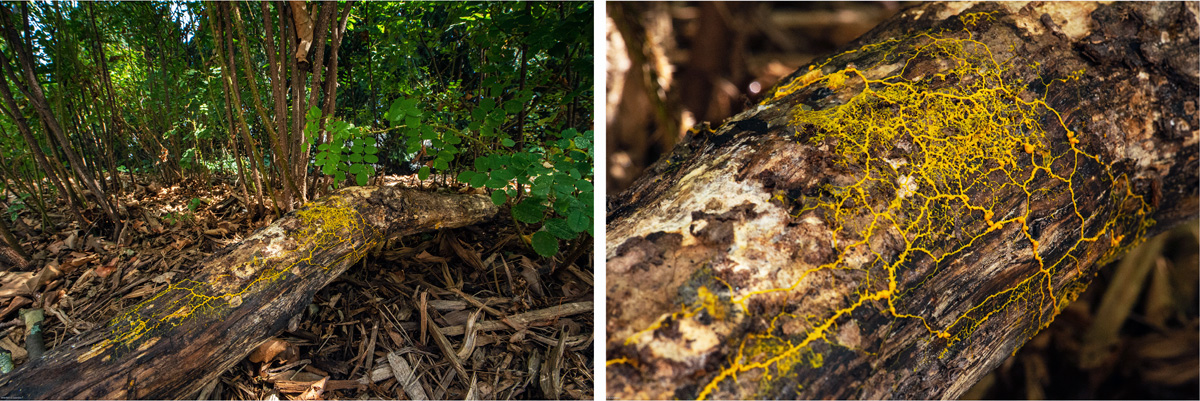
column 179, row 339
column 896, row 220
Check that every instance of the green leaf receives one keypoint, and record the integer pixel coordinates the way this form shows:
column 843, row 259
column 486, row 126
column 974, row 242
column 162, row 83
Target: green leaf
column 466, row 176
column 583, row 143
column 328, row 168
column 408, row 105
column 362, row 178
column 513, row 106
column 503, row 175
column 356, row 158
column 440, row 164
column 396, row 111
column 478, row 180
column 507, row 142
column 423, row 173
column 370, row 158
column 559, row 228
column 487, row 104
column 578, row 220
column 564, row 189
column 545, row 244
column 494, row 183
column 499, row 197
column 529, row 210
column 584, row 185
column 541, row 185
column 323, row 146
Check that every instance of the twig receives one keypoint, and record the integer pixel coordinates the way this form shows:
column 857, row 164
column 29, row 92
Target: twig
column 524, row 319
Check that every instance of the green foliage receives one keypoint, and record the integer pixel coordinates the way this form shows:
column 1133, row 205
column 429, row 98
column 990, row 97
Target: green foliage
column 350, row 152
column 15, row 209
column 497, row 95
column 194, row 203
column 556, row 182
column 174, row 218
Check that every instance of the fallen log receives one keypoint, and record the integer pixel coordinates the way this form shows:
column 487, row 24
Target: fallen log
column 177, row 340
column 897, row 219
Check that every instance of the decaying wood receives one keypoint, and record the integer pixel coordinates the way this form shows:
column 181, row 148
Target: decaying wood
column 180, row 339
column 898, row 219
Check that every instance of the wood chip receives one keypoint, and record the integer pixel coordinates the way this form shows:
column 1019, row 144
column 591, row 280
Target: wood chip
column 404, row 375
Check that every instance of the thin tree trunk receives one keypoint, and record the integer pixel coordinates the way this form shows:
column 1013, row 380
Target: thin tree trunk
column 283, row 162
column 33, row 90
column 339, row 32
column 233, row 98
column 10, row 108
column 896, row 220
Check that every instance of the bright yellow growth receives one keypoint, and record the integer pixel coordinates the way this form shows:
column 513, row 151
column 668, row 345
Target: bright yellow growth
column 960, row 138
column 324, row 226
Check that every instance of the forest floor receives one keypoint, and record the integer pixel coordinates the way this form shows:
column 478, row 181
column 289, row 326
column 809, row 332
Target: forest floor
column 360, row 333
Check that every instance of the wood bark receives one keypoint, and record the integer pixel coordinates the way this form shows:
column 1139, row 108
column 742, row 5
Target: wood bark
column 181, row 338
column 896, row 220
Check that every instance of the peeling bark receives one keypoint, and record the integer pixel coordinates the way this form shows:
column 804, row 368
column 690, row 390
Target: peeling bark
column 896, row 220
column 193, row 330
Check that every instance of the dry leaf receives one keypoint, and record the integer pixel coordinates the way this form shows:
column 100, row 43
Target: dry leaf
column 216, row 232
column 426, row 257
column 82, row 260
column 72, row 240
column 56, row 247
column 104, row 271
column 269, row 350
column 15, row 283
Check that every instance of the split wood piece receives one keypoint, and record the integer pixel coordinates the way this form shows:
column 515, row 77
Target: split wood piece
column 524, row 319
column 404, row 375
column 179, row 339
column 896, row 220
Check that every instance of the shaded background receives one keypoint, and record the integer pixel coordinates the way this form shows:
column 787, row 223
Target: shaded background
column 1133, row 334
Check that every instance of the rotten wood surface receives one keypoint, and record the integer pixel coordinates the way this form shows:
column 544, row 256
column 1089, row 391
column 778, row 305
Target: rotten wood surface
column 178, row 340
column 899, row 218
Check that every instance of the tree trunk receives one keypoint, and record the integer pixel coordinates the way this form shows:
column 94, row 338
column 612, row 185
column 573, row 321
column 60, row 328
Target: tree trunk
column 9, row 108
column 237, row 118
column 179, row 339
column 33, row 91
column 896, row 220
column 233, row 16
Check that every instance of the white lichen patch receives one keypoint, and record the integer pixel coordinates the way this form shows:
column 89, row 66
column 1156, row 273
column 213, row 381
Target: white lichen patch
column 957, row 7
column 884, row 70
column 695, row 340
column 1073, row 18
column 712, row 184
column 849, row 335
column 752, row 242
column 906, row 186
